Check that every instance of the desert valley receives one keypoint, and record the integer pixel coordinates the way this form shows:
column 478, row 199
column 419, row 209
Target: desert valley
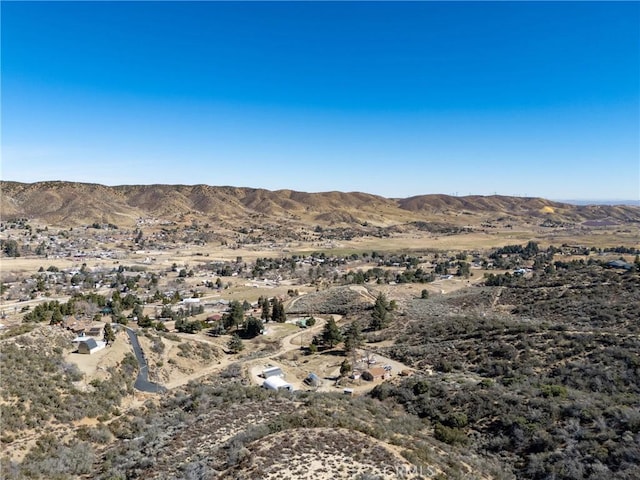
column 174, row 331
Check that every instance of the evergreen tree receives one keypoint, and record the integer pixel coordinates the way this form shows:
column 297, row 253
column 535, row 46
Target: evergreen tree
column 464, row 270
column 109, row 334
column 353, row 337
column 145, row 321
column 10, row 248
column 277, row 311
column 380, row 316
column 266, row 308
column 331, row 334
column 253, row 327
column 235, row 315
column 56, row 317
column 235, row 344
column 345, row 368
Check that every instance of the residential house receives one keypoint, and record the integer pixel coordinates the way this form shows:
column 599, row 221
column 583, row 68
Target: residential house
column 375, row 373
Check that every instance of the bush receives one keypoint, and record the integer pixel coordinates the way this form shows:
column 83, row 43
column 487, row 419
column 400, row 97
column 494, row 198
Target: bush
column 450, row 435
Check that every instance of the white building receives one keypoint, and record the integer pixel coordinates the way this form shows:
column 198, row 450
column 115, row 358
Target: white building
column 272, row 372
column 277, row 383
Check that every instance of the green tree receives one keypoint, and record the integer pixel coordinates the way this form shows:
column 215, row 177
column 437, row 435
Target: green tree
column 464, row 269
column 253, row 327
column 531, row 249
column 380, row 316
column 10, row 248
column 345, row 368
column 109, row 334
column 41, row 249
column 331, row 334
column 235, row 315
column 144, row 321
column 235, row 344
column 266, row 308
column 138, row 311
column 353, row 337
column 277, row 311
column 56, row 317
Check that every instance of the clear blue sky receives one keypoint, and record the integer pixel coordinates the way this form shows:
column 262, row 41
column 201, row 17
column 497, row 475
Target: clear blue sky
column 396, row 99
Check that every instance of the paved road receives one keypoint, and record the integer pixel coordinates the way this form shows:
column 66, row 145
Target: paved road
column 142, row 380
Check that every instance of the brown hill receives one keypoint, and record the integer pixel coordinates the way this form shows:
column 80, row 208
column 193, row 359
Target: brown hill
column 72, row 203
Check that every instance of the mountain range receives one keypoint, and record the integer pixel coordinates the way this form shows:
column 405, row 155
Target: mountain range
column 73, row 203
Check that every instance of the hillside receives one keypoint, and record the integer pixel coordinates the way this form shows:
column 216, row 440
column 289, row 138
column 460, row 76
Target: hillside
column 71, row 203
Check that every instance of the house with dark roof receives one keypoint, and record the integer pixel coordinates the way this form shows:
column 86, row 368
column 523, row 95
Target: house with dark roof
column 375, row 373
column 96, row 332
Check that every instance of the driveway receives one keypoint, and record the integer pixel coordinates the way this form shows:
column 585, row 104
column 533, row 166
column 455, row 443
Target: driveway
column 142, row 380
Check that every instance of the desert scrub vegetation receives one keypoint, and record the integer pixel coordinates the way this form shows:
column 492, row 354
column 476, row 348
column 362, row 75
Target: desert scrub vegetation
column 42, row 392
column 338, row 300
column 43, row 388
column 527, row 421
column 17, row 330
column 197, row 350
column 52, row 459
column 550, row 383
column 197, row 425
column 583, row 296
column 219, row 430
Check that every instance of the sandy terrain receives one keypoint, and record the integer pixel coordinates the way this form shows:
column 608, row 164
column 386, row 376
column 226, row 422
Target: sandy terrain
column 340, row 454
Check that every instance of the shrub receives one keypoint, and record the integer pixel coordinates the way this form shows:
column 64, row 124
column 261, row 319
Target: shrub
column 450, row 435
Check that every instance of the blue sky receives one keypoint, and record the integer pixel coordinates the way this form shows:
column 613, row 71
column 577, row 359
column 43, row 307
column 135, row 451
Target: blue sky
column 397, row 99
